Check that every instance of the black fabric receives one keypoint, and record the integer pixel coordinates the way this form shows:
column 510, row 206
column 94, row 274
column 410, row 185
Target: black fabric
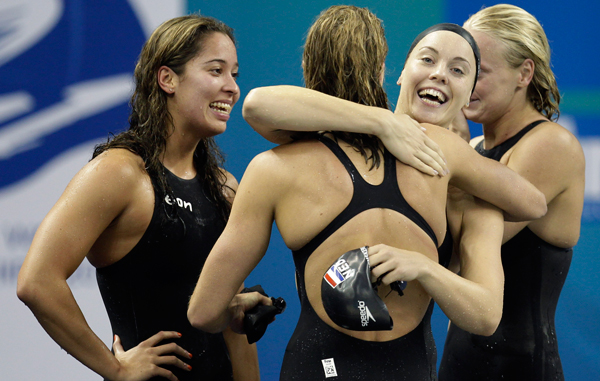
column 410, row 357
column 445, row 249
column 148, row 290
column 524, row 347
column 366, row 196
column 497, row 152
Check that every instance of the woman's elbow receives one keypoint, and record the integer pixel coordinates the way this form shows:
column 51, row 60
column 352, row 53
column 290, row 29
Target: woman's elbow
column 535, row 208
column 490, row 321
column 489, row 326
column 252, row 105
column 28, row 289
column 202, row 320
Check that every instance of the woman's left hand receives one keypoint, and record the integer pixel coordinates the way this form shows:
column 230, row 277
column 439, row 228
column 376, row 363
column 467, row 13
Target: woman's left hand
column 392, row 264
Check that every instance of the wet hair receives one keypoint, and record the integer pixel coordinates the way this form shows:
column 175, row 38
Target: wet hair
column 344, row 56
column 523, row 36
column 172, row 44
column 458, row 30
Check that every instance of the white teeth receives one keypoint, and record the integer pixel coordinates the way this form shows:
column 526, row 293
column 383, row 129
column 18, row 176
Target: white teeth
column 433, row 93
column 221, row 107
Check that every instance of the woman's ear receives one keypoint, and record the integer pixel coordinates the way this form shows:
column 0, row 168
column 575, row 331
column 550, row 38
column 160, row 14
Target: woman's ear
column 167, row 79
column 399, row 81
column 526, row 72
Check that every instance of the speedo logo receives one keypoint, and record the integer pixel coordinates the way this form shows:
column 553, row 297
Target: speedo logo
column 365, row 252
column 365, row 314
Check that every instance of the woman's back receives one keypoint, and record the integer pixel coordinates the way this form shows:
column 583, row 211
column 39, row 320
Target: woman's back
column 312, row 187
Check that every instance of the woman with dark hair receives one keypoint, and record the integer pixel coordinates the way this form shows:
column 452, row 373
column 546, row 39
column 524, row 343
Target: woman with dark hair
column 145, row 211
column 334, row 192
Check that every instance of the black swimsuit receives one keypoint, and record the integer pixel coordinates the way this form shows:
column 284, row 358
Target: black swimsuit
column 148, row 290
column 317, row 351
column 524, row 347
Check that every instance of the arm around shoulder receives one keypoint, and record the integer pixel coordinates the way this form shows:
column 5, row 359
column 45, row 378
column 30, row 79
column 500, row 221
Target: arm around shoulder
column 491, row 181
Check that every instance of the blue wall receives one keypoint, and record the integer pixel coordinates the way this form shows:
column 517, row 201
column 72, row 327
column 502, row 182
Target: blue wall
column 270, row 39
column 96, row 39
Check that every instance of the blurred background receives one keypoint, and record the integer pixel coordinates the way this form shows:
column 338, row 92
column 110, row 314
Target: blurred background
column 66, row 68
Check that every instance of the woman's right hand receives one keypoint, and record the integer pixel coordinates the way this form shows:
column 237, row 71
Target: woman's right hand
column 146, row 359
column 407, row 141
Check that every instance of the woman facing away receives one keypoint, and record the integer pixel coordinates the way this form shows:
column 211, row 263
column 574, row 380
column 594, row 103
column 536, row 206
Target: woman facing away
column 145, row 211
column 342, row 191
column 516, row 100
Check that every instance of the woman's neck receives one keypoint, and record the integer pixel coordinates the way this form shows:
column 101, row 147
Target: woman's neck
column 509, row 124
column 179, row 155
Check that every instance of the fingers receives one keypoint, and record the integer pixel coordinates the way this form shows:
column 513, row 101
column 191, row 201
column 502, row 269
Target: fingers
column 162, row 372
column 432, row 159
column 252, row 299
column 173, row 361
column 409, row 144
column 157, row 338
column 434, row 150
column 172, row 348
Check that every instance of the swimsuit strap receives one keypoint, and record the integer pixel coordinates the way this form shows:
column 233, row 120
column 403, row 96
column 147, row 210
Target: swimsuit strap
column 366, row 196
column 497, row 152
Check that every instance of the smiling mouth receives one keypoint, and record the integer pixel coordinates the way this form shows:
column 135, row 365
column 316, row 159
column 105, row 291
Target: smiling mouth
column 432, row 97
column 223, row 108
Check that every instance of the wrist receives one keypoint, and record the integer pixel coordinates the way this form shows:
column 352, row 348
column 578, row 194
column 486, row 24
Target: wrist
column 379, row 122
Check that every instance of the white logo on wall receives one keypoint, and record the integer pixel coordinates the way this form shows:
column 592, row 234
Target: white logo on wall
column 27, row 121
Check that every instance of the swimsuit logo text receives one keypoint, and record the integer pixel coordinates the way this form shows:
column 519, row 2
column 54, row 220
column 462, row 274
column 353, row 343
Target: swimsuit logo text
column 339, row 272
column 365, row 314
column 180, row 203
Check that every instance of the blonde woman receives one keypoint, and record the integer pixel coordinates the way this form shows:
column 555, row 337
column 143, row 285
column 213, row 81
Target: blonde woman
column 340, row 191
column 516, row 100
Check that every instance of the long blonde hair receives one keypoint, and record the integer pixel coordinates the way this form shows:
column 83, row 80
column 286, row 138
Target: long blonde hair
column 524, row 38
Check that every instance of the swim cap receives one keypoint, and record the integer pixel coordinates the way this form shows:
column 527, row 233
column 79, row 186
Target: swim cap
column 458, row 30
column 348, row 296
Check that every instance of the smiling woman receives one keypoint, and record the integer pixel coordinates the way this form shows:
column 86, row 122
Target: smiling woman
column 201, row 97
column 441, row 67
column 334, row 192
column 145, row 211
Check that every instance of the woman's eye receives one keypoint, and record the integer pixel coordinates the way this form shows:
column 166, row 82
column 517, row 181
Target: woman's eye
column 457, row 70
column 235, row 75
column 427, row 60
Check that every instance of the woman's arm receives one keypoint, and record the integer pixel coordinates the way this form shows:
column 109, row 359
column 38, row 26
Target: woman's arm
column 489, row 180
column 279, row 112
column 215, row 304
column 472, row 300
column 244, row 357
column 93, row 199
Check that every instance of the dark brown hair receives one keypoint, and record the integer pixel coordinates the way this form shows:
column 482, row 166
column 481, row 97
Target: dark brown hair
column 172, row 44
